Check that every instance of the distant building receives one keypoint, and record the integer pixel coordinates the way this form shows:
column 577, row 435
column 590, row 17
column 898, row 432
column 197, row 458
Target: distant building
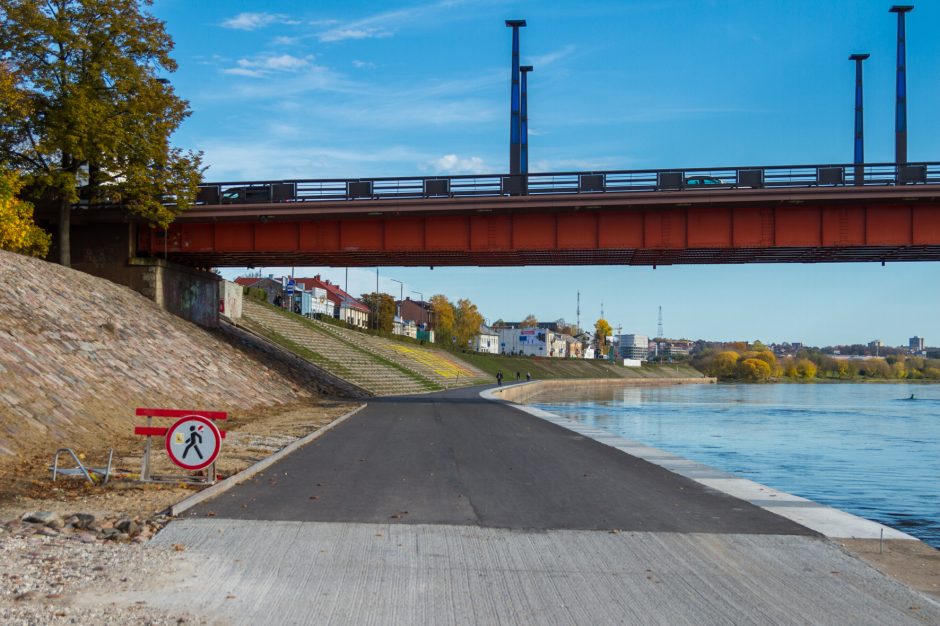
column 532, row 342
column 344, row 306
column 272, row 287
column 486, row 341
column 633, row 347
column 916, row 344
column 406, row 328
column 417, row 311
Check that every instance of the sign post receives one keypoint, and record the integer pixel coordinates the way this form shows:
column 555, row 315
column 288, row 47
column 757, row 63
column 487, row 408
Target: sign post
column 193, row 443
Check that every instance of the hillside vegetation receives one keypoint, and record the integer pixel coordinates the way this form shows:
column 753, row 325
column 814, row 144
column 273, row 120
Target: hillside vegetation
column 79, row 353
column 380, row 365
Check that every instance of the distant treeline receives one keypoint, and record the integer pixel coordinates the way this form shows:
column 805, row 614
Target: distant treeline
column 756, row 363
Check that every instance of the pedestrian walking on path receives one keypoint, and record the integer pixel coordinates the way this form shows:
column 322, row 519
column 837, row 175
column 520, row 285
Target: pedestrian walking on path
column 528, row 376
column 499, row 378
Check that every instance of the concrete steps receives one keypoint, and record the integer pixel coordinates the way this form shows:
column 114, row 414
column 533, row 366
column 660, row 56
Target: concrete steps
column 336, row 355
column 434, row 365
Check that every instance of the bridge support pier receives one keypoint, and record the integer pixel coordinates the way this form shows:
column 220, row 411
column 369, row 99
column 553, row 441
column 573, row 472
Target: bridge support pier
column 110, row 251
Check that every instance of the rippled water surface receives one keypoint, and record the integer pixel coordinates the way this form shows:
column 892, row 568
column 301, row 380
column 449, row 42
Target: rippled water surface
column 866, row 449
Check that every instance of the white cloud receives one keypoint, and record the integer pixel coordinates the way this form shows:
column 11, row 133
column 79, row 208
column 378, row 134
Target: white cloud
column 548, row 58
column 385, row 24
column 363, row 64
column 254, row 21
column 277, row 159
column 453, row 164
column 339, row 34
column 261, row 66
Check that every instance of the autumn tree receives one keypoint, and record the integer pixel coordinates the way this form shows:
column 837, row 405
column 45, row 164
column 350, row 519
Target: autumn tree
column 602, row 331
column 93, row 117
column 18, row 232
column 381, row 310
column 806, row 369
column 530, row 321
column 467, row 323
column 725, row 363
column 443, row 319
column 754, row 370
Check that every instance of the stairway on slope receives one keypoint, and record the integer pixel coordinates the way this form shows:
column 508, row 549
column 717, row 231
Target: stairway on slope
column 435, row 365
column 333, row 354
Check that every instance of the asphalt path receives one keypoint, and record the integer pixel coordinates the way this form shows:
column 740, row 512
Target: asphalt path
column 455, row 458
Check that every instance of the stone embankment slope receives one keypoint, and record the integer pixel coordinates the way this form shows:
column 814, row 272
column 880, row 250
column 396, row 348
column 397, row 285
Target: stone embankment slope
column 78, row 353
column 381, row 366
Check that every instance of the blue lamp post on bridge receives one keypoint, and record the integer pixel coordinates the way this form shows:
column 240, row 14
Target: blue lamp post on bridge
column 859, row 120
column 515, row 152
column 900, row 109
column 524, row 152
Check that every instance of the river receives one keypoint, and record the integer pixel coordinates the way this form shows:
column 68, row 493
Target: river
column 863, row 448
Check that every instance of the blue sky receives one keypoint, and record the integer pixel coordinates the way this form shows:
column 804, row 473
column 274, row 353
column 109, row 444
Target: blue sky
column 326, row 89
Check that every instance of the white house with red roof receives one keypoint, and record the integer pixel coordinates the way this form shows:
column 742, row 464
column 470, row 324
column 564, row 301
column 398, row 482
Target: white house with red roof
column 345, row 307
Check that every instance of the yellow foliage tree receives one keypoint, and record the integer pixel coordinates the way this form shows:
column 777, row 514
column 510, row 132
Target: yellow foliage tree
column 18, row 232
column 725, row 363
column 805, row 369
column 602, row 330
column 468, row 322
column 755, row 370
column 443, row 318
column 530, row 321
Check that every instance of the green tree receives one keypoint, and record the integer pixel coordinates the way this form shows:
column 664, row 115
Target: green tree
column 467, row 323
column 530, row 321
column 602, row 331
column 18, row 232
column 98, row 118
column 381, row 310
column 443, row 319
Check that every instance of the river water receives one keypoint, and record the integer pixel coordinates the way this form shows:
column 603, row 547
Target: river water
column 863, row 448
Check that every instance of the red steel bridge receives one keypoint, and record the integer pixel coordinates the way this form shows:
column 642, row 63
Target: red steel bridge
column 780, row 214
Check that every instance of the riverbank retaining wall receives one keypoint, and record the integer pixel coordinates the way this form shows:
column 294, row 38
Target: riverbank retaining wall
column 524, row 392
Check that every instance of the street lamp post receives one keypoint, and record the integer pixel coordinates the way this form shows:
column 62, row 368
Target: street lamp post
column 859, row 120
column 514, row 121
column 900, row 105
column 524, row 113
column 401, row 295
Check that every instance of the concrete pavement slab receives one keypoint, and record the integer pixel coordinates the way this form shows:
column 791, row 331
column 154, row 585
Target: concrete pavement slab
column 248, row 572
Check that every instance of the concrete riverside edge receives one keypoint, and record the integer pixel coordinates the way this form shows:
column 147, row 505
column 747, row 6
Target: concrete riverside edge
column 826, row 520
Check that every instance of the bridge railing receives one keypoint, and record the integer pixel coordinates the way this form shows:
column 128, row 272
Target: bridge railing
column 562, row 183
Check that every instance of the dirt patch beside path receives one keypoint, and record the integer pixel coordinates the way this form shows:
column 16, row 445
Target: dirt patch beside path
column 26, row 485
column 914, row 563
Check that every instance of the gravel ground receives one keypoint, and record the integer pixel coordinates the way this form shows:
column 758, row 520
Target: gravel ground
column 43, row 578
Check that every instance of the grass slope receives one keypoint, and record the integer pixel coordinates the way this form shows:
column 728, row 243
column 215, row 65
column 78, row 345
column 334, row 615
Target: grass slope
column 548, row 368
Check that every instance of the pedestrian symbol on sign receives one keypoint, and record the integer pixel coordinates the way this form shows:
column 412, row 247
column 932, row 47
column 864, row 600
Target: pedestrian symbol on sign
column 194, row 437
column 193, row 442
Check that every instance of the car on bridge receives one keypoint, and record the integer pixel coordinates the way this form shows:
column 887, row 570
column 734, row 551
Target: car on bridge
column 703, row 181
column 246, row 194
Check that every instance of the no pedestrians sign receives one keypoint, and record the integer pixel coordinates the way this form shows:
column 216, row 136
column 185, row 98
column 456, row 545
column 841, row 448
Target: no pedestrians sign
column 193, row 442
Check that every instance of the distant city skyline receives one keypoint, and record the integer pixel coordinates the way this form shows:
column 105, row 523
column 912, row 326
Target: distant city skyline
column 335, row 89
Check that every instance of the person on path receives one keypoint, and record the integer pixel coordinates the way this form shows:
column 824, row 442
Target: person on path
column 528, row 376
column 499, row 378
column 518, row 377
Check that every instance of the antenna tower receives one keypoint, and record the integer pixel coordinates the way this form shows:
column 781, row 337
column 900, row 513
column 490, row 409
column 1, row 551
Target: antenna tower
column 578, row 313
column 659, row 328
